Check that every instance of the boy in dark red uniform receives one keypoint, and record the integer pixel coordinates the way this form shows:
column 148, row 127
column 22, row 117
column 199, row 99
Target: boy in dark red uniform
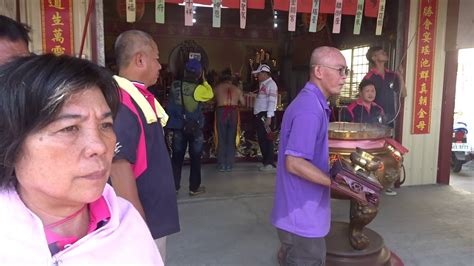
column 364, row 109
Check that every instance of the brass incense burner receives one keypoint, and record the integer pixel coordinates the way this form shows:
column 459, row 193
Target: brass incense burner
column 358, row 131
column 365, row 160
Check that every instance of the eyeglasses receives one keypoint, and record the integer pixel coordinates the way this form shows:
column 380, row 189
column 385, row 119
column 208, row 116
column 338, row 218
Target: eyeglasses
column 343, row 71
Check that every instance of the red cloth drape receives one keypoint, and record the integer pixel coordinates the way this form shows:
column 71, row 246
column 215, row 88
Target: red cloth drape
column 371, row 8
column 173, row 1
column 349, row 7
column 252, row 4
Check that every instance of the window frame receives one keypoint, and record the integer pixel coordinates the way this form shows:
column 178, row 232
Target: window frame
column 359, row 66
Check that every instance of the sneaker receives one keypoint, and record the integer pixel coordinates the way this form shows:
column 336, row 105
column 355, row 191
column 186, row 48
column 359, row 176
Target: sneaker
column 267, row 168
column 198, row 191
column 390, row 192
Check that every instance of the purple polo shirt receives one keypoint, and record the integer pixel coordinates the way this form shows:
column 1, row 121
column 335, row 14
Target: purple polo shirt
column 300, row 206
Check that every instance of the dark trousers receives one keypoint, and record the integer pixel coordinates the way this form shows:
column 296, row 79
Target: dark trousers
column 226, row 133
column 298, row 250
column 179, row 145
column 266, row 145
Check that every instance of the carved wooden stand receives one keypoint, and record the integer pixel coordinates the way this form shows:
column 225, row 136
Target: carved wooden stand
column 352, row 243
column 340, row 251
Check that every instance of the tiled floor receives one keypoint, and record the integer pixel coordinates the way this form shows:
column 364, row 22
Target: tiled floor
column 464, row 180
column 229, row 225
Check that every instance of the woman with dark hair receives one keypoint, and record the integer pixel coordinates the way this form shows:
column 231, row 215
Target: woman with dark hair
column 56, row 149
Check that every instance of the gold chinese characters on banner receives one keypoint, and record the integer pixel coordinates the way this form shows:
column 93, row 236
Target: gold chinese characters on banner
column 425, row 51
column 56, row 20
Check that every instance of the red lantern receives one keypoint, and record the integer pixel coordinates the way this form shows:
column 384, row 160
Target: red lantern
column 122, row 9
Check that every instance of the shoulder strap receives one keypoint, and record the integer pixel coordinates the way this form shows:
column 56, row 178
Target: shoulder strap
column 182, row 100
column 151, row 115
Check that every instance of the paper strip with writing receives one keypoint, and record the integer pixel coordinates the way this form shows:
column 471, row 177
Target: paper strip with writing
column 378, row 29
column 188, row 12
column 358, row 17
column 336, row 28
column 243, row 13
column 216, row 13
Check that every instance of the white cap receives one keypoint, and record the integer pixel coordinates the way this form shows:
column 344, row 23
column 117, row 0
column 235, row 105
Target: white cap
column 262, row 68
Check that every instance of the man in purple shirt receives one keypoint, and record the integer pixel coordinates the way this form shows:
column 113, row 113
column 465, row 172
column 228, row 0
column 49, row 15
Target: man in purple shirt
column 302, row 211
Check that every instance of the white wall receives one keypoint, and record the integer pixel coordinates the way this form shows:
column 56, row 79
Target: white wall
column 463, row 110
column 422, row 161
column 465, row 36
column 8, row 8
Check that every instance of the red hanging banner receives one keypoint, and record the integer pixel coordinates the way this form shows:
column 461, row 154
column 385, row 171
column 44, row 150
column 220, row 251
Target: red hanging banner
column 349, row 7
column 425, row 51
column 252, row 4
column 371, row 8
column 202, row 2
column 56, row 24
column 325, row 6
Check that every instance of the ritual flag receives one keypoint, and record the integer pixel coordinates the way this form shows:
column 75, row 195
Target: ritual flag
column 378, row 28
column 313, row 24
column 216, row 13
column 188, row 13
column 243, row 13
column 336, row 26
column 358, row 17
column 160, row 11
column 292, row 15
column 131, row 11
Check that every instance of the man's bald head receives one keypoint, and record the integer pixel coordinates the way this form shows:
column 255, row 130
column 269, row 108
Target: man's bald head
column 328, row 70
column 128, row 44
column 321, row 55
column 137, row 57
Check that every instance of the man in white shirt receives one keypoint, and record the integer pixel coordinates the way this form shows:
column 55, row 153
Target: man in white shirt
column 264, row 113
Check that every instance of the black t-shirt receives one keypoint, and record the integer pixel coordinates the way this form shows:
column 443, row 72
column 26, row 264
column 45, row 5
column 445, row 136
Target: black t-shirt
column 156, row 184
column 358, row 113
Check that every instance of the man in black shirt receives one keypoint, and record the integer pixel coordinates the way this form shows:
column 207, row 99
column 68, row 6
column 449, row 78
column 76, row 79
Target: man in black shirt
column 388, row 84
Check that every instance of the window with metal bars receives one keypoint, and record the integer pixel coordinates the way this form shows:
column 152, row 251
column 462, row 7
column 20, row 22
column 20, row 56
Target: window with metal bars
column 356, row 61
